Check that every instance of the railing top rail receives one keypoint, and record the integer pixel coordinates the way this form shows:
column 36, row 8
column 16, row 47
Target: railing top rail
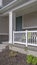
column 27, row 39
column 32, row 31
column 24, row 31
column 19, row 31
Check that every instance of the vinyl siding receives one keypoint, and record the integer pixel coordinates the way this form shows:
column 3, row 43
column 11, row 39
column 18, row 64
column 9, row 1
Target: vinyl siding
column 5, row 2
column 29, row 20
column 4, row 25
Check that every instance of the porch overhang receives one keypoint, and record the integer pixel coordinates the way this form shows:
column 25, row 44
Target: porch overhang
column 28, row 7
column 25, row 8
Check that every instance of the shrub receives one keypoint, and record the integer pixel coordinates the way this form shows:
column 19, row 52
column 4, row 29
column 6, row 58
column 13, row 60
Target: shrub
column 34, row 61
column 29, row 59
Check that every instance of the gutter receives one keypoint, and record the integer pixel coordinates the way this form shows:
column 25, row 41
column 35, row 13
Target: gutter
column 28, row 4
column 8, row 6
column 15, row 2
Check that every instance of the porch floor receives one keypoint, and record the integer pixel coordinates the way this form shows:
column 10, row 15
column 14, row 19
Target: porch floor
column 33, row 48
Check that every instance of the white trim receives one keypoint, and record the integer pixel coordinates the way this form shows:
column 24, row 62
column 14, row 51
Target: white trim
column 19, row 31
column 13, row 37
column 24, row 31
column 25, row 43
column 10, row 27
column 26, row 39
column 32, row 44
column 20, row 42
column 29, row 27
column 25, row 4
column 8, row 4
column 32, row 31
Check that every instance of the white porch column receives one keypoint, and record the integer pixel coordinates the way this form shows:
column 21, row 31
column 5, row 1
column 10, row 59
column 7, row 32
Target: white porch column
column 14, row 21
column 10, row 26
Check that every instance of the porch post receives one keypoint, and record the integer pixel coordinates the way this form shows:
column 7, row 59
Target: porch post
column 10, row 26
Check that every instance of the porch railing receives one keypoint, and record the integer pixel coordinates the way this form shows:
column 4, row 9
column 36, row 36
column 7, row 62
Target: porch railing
column 25, row 37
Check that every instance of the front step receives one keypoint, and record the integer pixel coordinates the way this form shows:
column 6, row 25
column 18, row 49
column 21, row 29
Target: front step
column 33, row 48
column 23, row 50
column 2, row 47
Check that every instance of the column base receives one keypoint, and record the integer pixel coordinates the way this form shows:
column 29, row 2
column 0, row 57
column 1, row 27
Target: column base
column 10, row 42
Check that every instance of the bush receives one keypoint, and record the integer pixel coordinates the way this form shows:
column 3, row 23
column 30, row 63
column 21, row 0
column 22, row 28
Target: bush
column 29, row 59
column 34, row 61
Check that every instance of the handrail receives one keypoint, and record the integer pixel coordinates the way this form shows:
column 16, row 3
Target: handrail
column 29, row 36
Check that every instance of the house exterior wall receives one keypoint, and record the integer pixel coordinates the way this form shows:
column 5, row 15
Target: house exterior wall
column 0, row 3
column 29, row 20
column 5, row 2
column 4, row 24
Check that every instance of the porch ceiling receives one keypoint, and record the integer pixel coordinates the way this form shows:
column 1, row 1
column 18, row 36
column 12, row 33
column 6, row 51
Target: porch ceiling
column 26, row 9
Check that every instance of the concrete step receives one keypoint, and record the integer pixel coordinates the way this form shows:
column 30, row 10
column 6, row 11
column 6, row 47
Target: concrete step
column 33, row 48
column 22, row 50
column 2, row 47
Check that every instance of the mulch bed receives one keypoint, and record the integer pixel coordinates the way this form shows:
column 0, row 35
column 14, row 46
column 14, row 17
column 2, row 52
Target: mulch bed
column 5, row 59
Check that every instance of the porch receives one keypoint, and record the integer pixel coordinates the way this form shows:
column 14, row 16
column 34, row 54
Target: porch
column 21, row 24
column 25, row 29
column 25, row 26
column 28, row 38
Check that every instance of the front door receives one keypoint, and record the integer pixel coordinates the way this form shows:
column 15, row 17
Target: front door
column 19, row 23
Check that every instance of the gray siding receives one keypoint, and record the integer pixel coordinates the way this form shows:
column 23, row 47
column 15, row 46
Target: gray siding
column 4, row 24
column 4, row 28
column 29, row 20
column 5, row 2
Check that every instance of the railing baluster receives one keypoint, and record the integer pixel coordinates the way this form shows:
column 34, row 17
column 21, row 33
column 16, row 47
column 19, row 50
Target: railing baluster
column 26, row 39
column 13, row 37
column 31, row 37
column 35, row 37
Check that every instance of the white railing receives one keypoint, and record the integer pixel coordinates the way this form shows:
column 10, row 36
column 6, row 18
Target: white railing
column 25, row 37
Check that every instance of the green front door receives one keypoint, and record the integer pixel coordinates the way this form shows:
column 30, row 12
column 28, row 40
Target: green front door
column 19, row 23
